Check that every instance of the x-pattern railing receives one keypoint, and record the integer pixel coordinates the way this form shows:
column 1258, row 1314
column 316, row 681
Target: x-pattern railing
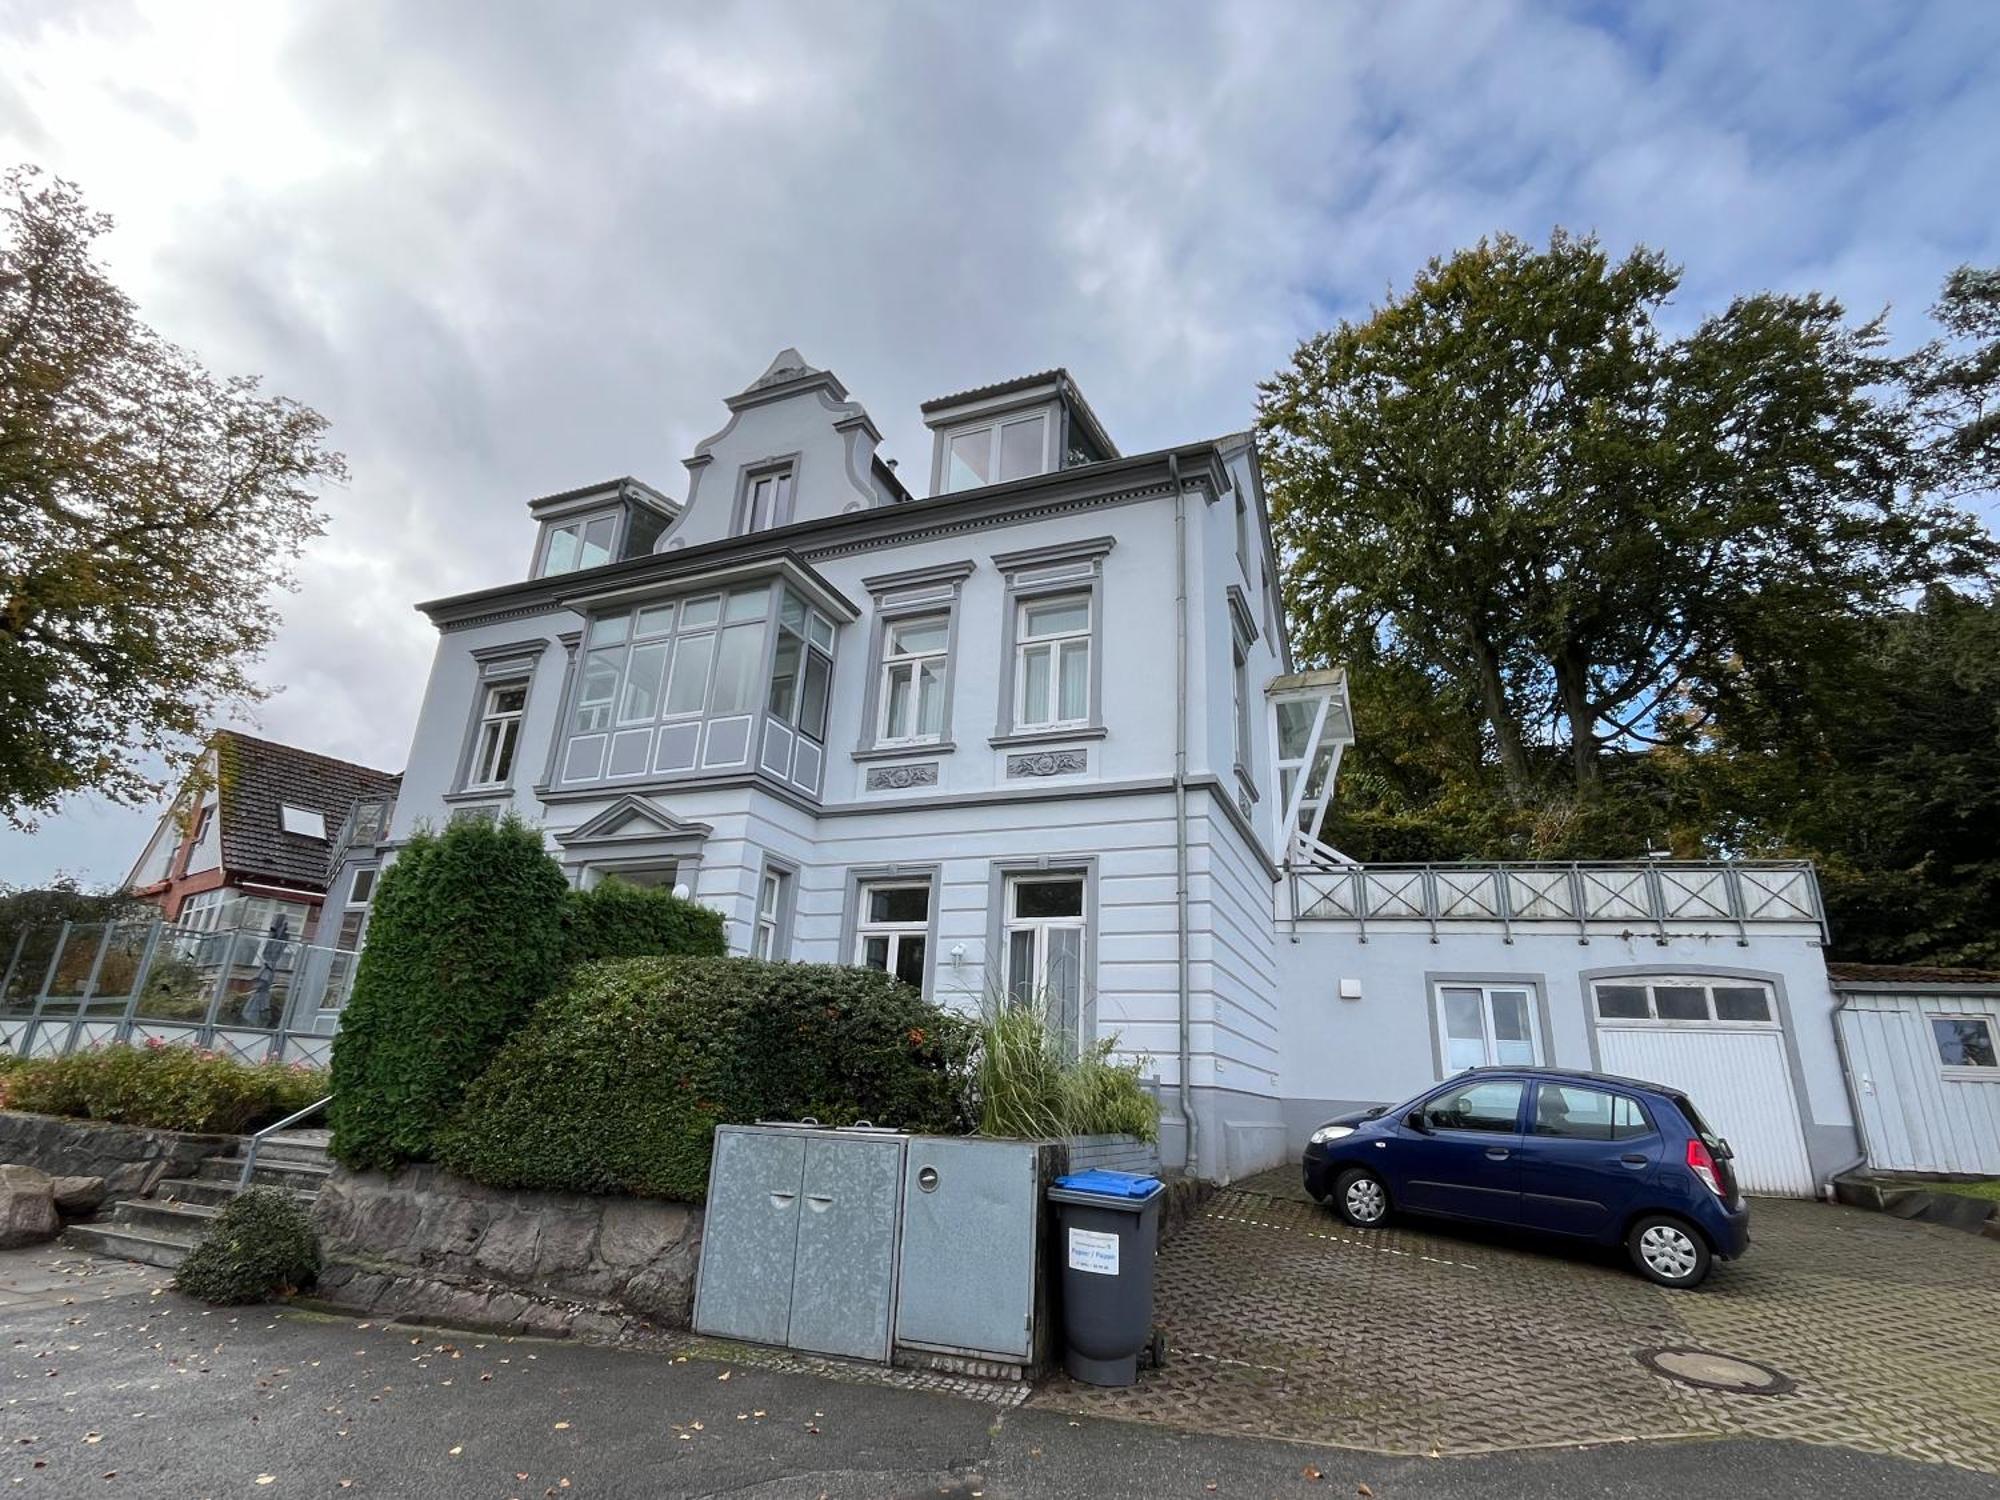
column 1647, row 894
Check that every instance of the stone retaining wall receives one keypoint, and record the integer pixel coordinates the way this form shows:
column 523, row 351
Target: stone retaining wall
column 130, row 1158
column 423, row 1244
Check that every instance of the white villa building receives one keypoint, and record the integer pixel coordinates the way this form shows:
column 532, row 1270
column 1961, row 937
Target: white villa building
column 1038, row 730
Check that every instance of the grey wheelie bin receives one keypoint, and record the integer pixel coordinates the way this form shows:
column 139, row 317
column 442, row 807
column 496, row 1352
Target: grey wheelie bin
column 1108, row 1226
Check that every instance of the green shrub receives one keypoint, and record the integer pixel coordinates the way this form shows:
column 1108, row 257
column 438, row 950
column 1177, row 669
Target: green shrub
column 262, row 1244
column 616, row 920
column 163, row 1088
column 465, row 938
column 1030, row 1087
column 617, row 1082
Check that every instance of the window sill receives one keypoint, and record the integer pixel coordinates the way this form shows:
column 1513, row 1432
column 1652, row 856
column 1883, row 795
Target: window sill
column 480, row 794
column 905, row 752
column 1053, row 736
column 1952, row 1074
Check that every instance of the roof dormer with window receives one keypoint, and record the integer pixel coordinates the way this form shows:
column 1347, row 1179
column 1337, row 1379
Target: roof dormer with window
column 1035, row 424
column 598, row 524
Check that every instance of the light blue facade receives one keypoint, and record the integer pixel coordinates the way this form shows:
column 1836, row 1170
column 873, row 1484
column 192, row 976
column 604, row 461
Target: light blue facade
column 1142, row 849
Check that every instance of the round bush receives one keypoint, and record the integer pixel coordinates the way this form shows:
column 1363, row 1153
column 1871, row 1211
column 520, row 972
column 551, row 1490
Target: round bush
column 261, row 1245
column 617, row 1082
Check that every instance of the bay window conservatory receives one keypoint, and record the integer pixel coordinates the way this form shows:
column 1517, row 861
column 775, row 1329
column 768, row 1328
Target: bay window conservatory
column 725, row 679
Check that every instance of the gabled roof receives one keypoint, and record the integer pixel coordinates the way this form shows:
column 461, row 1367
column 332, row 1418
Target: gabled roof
column 257, row 778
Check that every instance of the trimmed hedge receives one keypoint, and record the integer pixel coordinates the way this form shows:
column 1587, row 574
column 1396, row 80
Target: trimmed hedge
column 161, row 1087
column 616, row 920
column 466, row 937
column 617, row 1083
column 262, row 1243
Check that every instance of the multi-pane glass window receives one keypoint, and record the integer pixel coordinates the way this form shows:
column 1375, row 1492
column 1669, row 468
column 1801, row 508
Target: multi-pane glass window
column 1715, row 1001
column 1487, row 1025
column 1043, row 928
column 498, row 735
column 894, row 928
column 579, row 544
column 801, row 667
column 911, row 695
column 353, row 928
column 770, row 913
column 767, row 501
column 1052, row 661
column 1965, row 1041
column 994, row 454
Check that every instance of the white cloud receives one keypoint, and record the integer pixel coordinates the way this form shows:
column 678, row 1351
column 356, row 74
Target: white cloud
column 509, row 248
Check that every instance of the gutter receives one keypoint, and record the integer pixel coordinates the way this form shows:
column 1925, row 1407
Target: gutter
column 1193, row 1131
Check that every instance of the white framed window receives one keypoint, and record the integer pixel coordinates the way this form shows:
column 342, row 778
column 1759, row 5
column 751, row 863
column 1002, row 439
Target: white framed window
column 1052, row 661
column 1239, row 716
column 1488, row 1025
column 1686, row 1000
column 1967, row 1046
column 773, row 891
column 202, row 912
column 304, row 821
column 1044, row 928
column 767, row 498
column 911, row 693
column 993, row 453
column 582, row 543
column 893, row 931
column 802, row 667
column 498, row 735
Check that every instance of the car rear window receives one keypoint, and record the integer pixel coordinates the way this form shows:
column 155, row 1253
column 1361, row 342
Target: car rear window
column 1686, row 1107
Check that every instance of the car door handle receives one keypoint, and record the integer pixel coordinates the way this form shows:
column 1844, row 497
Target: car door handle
column 1497, row 1153
column 1635, row 1160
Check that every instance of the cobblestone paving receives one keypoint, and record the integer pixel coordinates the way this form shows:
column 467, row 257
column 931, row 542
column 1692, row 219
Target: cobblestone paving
column 1420, row 1339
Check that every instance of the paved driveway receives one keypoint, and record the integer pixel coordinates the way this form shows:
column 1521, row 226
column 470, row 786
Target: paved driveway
column 1423, row 1339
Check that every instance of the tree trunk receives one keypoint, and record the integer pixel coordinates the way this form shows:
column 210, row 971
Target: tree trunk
column 1573, row 685
column 1493, row 696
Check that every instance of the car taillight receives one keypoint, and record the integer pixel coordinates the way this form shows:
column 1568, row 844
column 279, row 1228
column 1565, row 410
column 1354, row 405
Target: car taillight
column 1703, row 1166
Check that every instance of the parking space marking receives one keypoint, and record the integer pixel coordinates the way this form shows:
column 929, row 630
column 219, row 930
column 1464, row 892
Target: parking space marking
column 1335, row 1239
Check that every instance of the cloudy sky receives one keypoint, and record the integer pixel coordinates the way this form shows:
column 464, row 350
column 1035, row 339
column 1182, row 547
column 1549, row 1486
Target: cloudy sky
column 510, row 248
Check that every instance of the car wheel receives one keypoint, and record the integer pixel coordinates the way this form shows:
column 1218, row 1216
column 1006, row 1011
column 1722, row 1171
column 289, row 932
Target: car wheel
column 1361, row 1198
column 1669, row 1251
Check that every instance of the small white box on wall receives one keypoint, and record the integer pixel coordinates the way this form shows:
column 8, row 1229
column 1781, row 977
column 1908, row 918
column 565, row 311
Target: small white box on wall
column 1350, row 989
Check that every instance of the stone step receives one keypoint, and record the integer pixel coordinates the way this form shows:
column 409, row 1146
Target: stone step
column 310, row 1150
column 214, row 1193
column 306, row 1176
column 188, row 1221
column 150, row 1248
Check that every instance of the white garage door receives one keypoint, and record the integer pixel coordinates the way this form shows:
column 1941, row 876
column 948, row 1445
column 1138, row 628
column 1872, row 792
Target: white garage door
column 1705, row 1038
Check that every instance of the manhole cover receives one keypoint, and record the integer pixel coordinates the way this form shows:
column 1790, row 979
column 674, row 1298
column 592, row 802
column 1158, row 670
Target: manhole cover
column 1716, row 1372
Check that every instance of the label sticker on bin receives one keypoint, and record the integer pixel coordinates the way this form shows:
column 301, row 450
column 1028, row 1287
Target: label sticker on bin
column 1094, row 1251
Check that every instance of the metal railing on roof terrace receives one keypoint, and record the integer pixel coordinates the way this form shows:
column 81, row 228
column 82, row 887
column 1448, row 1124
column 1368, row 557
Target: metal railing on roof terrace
column 1664, row 898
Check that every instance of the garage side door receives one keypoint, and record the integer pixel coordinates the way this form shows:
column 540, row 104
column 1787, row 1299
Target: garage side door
column 1741, row 1085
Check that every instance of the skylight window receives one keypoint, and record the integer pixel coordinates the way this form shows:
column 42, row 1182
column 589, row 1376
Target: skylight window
column 303, row 821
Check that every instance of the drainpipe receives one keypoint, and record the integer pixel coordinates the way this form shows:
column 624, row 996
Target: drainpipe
column 1180, row 805
column 1853, row 1099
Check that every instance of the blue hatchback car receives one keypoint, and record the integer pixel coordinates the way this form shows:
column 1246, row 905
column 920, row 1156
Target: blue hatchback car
column 1586, row 1155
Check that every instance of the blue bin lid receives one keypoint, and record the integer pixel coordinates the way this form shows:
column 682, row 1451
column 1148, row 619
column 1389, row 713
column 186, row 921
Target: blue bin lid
column 1106, row 1184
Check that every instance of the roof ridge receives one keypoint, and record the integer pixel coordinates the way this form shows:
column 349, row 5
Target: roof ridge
column 300, row 750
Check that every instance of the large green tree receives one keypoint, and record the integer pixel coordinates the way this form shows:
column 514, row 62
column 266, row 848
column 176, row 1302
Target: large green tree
column 149, row 510
column 1513, row 486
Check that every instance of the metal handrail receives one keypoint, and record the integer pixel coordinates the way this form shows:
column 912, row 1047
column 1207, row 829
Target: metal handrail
column 257, row 1140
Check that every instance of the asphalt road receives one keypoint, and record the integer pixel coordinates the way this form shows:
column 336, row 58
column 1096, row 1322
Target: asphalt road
column 113, row 1386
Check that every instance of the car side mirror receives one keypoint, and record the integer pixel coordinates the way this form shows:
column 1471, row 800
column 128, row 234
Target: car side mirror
column 1415, row 1120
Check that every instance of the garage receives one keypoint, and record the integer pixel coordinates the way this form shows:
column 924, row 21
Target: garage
column 1721, row 1041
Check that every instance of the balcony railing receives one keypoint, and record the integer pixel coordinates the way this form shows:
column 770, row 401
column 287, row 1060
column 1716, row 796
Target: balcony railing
column 366, row 825
column 1662, row 898
column 69, row 985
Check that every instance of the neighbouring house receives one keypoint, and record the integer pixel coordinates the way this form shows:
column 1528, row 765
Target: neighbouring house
column 1037, row 735
column 1923, row 1055
column 252, row 838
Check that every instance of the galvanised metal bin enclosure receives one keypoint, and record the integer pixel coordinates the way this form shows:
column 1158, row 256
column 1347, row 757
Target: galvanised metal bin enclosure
column 1109, row 1225
column 799, row 1243
column 972, row 1218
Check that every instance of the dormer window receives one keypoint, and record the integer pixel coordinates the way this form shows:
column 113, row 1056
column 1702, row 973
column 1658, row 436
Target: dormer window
column 997, row 452
column 586, row 542
column 767, row 498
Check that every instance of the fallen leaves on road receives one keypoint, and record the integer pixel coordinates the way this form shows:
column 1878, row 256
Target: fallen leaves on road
column 1311, row 1474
